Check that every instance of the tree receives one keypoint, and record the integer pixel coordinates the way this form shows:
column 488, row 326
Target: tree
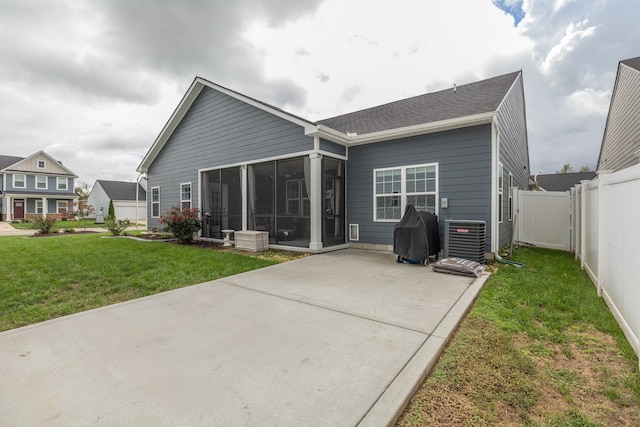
column 585, row 169
column 566, row 168
column 112, row 211
column 82, row 190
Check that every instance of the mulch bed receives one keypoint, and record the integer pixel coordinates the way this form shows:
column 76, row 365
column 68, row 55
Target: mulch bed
column 62, row 234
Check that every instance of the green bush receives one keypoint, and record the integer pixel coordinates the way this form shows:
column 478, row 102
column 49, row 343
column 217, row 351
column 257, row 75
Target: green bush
column 117, row 226
column 44, row 225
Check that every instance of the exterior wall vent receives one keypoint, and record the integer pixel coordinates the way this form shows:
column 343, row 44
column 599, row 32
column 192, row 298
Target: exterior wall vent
column 465, row 239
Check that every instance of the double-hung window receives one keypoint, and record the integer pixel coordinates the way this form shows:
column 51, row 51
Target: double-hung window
column 39, row 207
column 41, row 182
column 19, row 181
column 155, row 202
column 395, row 188
column 61, row 183
column 510, row 196
column 185, row 195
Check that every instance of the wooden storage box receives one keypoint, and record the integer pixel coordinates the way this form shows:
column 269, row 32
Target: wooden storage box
column 254, row 241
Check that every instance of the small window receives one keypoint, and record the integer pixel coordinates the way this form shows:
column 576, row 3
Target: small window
column 41, row 182
column 19, row 181
column 61, row 207
column 500, row 192
column 61, row 183
column 155, row 202
column 39, row 207
column 42, row 164
column 185, row 196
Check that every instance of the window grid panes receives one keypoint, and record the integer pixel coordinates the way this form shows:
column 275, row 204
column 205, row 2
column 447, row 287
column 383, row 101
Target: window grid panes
column 61, row 183
column 155, row 202
column 185, row 196
column 395, row 188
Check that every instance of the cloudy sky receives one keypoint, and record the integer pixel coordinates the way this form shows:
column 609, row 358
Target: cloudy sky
column 93, row 82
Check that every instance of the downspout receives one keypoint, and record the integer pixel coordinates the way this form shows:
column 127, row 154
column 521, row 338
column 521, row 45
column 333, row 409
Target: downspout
column 495, row 146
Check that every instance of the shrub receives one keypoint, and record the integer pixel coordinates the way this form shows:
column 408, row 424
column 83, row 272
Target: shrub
column 117, row 226
column 112, row 211
column 182, row 223
column 44, row 225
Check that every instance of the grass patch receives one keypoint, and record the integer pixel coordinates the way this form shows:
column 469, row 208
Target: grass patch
column 538, row 348
column 62, row 225
column 48, row 277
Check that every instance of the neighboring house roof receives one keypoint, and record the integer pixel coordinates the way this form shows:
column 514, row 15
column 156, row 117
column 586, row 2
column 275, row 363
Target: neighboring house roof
column 465, row 105
column 466, row 100
column 6, row 161
column 121, row 190
column 18, row 164
column 620, row 146
column 563, row 181
column 633, row 63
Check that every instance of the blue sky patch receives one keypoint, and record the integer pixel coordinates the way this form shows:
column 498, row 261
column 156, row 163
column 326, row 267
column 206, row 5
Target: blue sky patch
column 512, row 7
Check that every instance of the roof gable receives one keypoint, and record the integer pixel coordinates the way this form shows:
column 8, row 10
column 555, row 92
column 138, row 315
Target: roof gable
column 122, row 190
column 30, row 164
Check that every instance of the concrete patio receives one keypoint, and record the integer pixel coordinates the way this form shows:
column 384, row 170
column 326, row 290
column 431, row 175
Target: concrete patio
column 341, row 338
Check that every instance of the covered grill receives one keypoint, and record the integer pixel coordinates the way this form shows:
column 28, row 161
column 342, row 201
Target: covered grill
column 416, row 237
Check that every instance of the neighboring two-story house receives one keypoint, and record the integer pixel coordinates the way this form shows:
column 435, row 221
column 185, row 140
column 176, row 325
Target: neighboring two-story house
column 35, row 185
column 344, row 181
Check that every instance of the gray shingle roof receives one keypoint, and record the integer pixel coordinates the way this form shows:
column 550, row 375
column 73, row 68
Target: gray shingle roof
column 470, row 99
column 120, row 190
column 563, row 181
column 6, row 161
column 633, row 63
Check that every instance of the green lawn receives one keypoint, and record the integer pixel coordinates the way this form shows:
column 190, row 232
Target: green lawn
column 48, row 277
column 538, row 348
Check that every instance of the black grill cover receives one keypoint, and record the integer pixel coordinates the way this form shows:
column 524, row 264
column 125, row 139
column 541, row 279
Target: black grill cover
column 416, row 236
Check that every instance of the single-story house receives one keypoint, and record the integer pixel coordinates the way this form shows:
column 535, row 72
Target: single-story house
column 344, row 181
column 560, row 181
column 621, row 141
column 123, row 194
column 38, row 185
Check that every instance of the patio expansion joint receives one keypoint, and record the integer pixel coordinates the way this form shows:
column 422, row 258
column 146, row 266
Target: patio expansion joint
column 324, row 307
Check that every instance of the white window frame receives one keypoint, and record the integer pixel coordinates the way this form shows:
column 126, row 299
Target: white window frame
column 183, row 201
column 403, row 194
column 155, row 202
column 500, row 193
column 354, row 232
column 62, row 204
column 46, row 182
column 43, row 162
column 62, row 179
column 39, row 209
column 510, row 205
column 24, row 180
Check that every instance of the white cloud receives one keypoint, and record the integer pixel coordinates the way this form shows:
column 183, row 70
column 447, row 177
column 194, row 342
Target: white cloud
column 588, row 102
column 572, row 37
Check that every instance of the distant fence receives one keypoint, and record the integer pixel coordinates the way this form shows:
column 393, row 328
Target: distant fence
column 606, row 225
column 599, row 221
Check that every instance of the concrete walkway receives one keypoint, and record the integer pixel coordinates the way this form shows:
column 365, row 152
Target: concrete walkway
column 338, row 339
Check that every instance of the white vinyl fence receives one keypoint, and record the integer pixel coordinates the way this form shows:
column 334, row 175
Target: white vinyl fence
column 543, row 219
column 601, row 224
column 606, row 222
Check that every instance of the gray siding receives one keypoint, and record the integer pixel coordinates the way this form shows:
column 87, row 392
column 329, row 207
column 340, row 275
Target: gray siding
column 51, row 190
column 218, row 130
column 332, row 147
column 514, row 151
column 464, row 161
column 622, row 134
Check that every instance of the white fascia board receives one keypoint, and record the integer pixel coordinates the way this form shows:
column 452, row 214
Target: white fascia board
column 403, row 132
column 171, row 125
